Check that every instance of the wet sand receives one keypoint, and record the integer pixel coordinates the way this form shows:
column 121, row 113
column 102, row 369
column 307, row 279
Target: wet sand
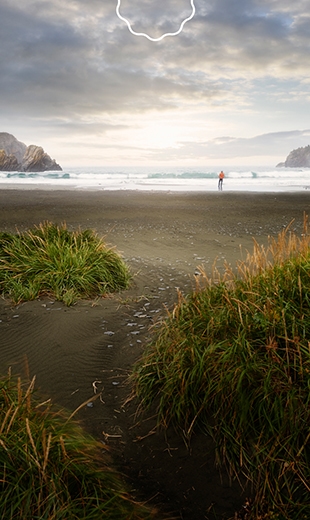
column 74, row 351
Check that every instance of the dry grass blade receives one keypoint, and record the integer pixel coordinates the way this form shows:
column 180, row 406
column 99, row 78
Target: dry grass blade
column 50, row 468
column 82, row 405
column 233, row 360
column 32, row 442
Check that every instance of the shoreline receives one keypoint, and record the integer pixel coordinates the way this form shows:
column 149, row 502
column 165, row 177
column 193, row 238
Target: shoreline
column 156, row 188
column 163, row 237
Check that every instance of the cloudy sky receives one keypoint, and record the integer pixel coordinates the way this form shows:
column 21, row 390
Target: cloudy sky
column 233, row 88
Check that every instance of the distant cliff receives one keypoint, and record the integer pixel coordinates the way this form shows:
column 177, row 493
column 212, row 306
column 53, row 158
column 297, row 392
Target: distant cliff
column 299, row 158
column 16, row 156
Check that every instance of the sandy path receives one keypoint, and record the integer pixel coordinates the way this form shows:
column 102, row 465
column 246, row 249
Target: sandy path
column 164, row 237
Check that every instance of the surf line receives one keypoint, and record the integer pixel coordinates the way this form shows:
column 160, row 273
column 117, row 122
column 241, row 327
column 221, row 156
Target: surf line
column 146, row 35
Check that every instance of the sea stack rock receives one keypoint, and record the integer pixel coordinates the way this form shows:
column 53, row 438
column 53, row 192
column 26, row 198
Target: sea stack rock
column 16, row 156
column 11, row 146
column 36, row 160
column 8, row 163
column 299, row 158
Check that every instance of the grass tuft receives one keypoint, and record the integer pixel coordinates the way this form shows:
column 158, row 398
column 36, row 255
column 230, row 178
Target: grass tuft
column 67, row 265
column 50, row 469
column 233, row 360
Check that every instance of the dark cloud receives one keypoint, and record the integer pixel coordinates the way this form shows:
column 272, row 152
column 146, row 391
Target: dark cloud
column 60, row 67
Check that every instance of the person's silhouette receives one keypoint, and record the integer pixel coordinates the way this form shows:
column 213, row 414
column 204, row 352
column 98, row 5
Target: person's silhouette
column 221, row 178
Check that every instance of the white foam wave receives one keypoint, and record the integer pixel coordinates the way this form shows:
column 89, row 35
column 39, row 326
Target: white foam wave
column 164, row 179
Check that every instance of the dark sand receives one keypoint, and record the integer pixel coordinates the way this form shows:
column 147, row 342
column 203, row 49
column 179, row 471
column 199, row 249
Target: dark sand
column 163, row 237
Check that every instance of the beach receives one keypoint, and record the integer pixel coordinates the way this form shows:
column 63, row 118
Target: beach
column 88, row 350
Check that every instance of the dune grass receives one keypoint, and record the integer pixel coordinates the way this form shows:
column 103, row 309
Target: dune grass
column 233, row 360
column 66, row 265
column 50, row 469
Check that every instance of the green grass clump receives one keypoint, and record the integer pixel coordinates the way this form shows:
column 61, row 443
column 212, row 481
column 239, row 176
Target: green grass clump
column 67, row 265
column 50, row 469
column 233, row 360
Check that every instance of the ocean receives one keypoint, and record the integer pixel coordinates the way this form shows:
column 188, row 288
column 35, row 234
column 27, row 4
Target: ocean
column 164, row 179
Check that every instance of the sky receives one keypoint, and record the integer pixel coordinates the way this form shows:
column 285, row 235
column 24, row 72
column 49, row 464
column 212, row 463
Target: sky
column 233, row 88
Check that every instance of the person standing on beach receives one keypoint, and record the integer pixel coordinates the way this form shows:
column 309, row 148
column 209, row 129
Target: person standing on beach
column 221, row 178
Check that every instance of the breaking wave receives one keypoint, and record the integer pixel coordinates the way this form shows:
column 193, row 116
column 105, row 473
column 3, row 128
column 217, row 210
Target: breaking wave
column 172, row 179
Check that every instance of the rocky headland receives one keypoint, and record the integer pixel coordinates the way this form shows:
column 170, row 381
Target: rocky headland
column 16, row 156
column 299, row 158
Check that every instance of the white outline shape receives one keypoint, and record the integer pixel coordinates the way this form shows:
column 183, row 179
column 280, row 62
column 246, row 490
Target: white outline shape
column 146, row 35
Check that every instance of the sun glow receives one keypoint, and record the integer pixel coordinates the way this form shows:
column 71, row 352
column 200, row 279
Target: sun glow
column 159, row 135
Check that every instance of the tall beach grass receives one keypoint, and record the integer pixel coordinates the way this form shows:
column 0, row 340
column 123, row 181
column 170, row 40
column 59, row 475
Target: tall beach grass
column 67, row 265
column 233, row 361
column 50, row 469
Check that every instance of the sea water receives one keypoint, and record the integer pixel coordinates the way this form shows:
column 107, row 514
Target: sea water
column 164, row 179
